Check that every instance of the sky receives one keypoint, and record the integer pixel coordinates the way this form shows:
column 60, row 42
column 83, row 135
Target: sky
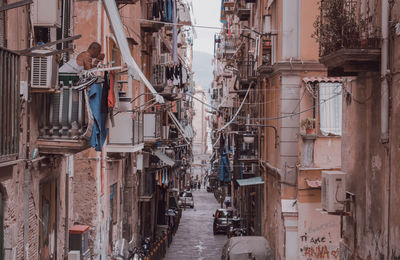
column 206, row 13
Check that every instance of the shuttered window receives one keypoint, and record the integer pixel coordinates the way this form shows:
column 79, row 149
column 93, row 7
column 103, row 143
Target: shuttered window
column 2, row 26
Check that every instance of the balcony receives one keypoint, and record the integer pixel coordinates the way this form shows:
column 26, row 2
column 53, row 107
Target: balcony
column 266, row 59
column 151, row 127
column 248, row 151
column 158, row 77
column 152, row 16
column 349, row 44
column 63, row 122
column 229, row 6
column 247, row 72
column 9, row 105
column 146, row 186
column 243, row 10
column 229, row 48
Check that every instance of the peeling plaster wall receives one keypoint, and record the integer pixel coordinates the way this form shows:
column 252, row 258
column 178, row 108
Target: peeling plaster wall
column 394, row 235
column 273, row 221
column 365, row 161
column 319, row 234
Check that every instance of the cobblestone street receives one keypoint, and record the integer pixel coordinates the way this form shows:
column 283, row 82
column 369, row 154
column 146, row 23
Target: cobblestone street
column 194, row 238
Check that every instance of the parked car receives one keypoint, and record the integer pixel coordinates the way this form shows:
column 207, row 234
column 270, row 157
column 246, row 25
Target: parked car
column 186, row 199
column 244, row 248
column 222, row 220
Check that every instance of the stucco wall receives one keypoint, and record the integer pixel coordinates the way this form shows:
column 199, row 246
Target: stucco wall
column 365, row 161
column 327, row 152
column 318, row 233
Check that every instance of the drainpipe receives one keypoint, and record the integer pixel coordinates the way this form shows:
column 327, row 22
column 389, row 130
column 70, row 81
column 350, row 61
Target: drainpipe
column 27, row 172
column 174, row 33
column 385, row 107
column 384, row 71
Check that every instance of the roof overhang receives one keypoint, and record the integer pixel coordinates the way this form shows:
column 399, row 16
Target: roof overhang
column 163, row 157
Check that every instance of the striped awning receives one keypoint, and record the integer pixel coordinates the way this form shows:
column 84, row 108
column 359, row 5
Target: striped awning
column 322, row 79
column 250, row 181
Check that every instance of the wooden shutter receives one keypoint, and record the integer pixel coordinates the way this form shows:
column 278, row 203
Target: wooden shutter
column 2, row 26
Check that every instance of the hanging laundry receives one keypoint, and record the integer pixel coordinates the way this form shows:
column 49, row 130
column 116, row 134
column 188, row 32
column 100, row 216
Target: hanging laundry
column 104, row 94
column 111, row 93
column 99, row 132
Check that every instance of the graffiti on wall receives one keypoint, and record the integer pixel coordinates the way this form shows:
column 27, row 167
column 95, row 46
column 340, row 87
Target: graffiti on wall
column 318, row 243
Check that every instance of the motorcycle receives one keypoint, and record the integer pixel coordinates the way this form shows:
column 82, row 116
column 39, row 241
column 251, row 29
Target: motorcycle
column 237, row 228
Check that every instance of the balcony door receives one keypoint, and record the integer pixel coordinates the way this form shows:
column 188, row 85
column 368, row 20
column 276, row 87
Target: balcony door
column 48, row 220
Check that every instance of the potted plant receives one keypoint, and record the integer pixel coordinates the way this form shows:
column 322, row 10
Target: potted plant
column 309, row 124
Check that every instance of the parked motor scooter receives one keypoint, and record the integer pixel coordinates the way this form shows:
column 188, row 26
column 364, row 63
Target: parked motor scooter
column 237, row 228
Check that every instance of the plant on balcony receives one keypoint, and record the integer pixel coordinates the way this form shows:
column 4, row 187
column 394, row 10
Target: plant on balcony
column 308, row 124
column 338, row 26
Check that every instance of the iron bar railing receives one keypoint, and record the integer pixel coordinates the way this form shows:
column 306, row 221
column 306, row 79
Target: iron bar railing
column 64, row 114
column 9, row 104
column 342, row 25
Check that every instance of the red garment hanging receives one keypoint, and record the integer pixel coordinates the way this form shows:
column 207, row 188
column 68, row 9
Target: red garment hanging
column 111, row 94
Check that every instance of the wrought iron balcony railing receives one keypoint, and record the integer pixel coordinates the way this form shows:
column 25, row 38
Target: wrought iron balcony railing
column 247, row 70
column 341, row 25
column 64, row 122
column 152, row 11
column 9, row 104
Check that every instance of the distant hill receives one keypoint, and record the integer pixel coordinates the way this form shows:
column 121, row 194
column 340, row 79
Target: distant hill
column 203, row 69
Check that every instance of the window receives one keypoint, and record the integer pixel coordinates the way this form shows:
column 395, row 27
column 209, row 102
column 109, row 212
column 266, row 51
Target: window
column 330, row 108
column 9, row 104
column 113, row 203
column 2, row 26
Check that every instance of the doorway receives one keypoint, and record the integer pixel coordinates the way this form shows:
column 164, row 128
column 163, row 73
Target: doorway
column 48, row 220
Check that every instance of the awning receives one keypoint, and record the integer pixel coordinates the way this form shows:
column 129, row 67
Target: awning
column 322, row 79
column 163, row 157
column 178, row 125
column 133, row 69
column 189, row 132
column 250, row 181
column 114, row 148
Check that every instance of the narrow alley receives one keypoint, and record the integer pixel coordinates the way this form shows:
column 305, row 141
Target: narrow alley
column 194, row 238
column 114, row 112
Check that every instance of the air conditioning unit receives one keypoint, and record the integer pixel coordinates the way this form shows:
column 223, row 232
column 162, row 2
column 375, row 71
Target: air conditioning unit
column 122, row 131
column 151, row 127
column 267, row 24
column 46, row 13
column 165, row 59
column 44, row 71
column 333, row 191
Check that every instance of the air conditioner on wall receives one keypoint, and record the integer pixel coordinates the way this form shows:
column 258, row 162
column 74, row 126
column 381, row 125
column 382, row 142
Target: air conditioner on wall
column 44, row 70
column 165, row 59
column 46, row 13
column 333, row 189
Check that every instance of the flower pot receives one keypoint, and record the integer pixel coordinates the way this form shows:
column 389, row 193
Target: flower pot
column 249, row 139
column 310, row 131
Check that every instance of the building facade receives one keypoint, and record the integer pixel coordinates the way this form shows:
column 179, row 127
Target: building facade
column 53, row 184
column 277, row 125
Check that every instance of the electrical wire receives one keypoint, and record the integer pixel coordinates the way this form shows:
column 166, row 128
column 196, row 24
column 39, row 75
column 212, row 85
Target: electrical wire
column 265, row 118
column 237, row 112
